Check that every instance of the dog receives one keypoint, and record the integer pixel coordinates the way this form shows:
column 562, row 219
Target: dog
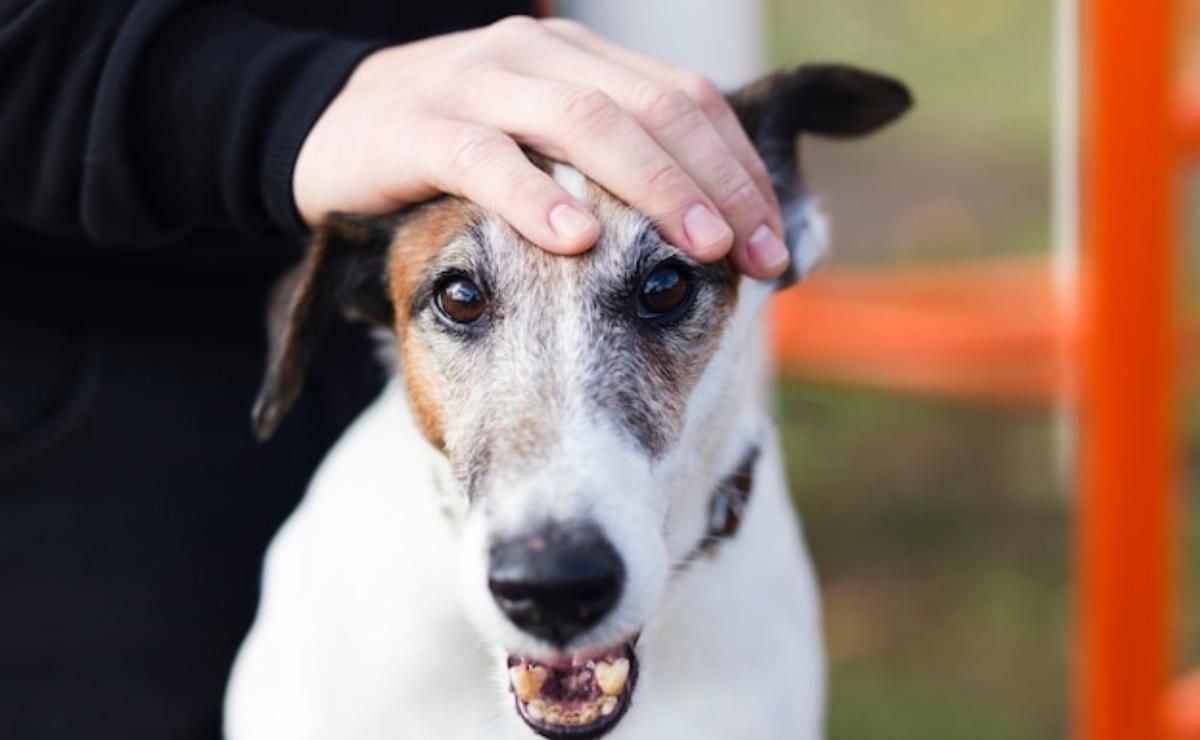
column 566, row 515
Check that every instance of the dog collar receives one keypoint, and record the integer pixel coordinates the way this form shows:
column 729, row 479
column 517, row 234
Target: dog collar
column 725, row 509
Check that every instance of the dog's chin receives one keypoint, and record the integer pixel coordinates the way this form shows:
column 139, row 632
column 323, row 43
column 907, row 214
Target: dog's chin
column 580, row 696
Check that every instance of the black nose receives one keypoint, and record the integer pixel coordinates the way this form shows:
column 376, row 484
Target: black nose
column 557, row 583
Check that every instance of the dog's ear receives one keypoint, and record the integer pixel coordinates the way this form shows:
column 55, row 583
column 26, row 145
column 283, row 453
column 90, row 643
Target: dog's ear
column 832, row 100
column 344, row 272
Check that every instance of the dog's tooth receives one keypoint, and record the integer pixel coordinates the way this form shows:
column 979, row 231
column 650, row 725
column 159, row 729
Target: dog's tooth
column 589, row 713
column 527, row 682
column 612, row 676
column 608, row 705
column 536, row 709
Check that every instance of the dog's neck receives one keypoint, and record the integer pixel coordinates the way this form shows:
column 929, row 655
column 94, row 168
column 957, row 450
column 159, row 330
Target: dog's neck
column 726, row 507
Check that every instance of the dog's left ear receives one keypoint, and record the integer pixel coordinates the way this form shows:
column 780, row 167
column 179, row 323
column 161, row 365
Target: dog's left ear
column 344, row 272
column 831, row 100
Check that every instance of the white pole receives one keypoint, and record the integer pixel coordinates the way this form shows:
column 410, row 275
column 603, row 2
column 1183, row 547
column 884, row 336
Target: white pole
column 722, row 39
column 1065, row 219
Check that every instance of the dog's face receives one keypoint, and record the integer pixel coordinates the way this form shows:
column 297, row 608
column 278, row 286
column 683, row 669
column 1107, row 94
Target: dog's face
column 584, row 406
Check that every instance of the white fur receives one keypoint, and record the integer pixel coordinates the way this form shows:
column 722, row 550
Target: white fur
column 571, row 179
column 805, row 217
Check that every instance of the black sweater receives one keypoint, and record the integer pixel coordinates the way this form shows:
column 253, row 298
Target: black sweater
column 146, row 150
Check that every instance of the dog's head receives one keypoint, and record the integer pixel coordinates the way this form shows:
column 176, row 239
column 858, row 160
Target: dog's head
column 585, row 407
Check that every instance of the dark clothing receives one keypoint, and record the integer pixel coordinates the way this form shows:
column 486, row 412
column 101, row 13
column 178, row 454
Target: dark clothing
column 146, row 150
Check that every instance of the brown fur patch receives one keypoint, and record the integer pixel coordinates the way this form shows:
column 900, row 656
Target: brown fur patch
column 417, row 241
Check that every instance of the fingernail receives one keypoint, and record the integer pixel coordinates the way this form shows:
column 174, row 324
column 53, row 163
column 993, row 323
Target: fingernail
column 705, row 230
column 571, row 224
column 767, row 251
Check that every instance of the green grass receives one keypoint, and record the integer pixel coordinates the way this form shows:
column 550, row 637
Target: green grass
column 966, row 173
column 983, row 65
column 939, row 533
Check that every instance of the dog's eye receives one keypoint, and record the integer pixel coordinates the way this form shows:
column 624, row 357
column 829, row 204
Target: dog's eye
column 665, row 293
column 460, row 300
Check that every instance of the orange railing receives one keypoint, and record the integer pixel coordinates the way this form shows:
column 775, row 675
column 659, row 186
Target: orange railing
column 1125, row 554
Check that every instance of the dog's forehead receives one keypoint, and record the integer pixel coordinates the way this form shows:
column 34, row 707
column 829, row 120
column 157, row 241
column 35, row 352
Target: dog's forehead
column 626, row 235
column 454, row 234
column 621, row 226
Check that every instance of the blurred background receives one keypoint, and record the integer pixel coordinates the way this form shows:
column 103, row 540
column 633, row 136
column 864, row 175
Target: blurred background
column 940, row 525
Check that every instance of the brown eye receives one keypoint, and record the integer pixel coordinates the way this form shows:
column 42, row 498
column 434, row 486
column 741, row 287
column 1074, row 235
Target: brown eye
column 461, row 301
column 665, row 294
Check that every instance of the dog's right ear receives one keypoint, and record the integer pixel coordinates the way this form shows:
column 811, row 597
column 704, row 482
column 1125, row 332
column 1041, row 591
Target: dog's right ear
column 832, row 100
column 344, row 272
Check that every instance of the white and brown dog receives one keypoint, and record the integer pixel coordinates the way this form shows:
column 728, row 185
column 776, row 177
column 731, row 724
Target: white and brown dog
column 532, row 530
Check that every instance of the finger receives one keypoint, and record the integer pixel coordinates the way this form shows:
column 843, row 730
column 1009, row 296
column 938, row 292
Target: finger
column 690, row 138
column 487, row 167
column 703, row 91
column 687, row 134
column 589, row 129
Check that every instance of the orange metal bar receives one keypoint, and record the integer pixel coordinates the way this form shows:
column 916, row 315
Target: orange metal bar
column 1124, row 549
column 984, row 330
column 981, row 330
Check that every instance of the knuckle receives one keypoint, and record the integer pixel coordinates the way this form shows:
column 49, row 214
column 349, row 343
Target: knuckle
column 524, row 184
column 662, row 177
column 758, row 169
column 516, row 24
column 762, row 177
column 661, row 105
column 743, row 199
column 475, row 151
column 565, row 26
column 463, row 58
column 590, row 109
column 516, row 28
column 703, row 91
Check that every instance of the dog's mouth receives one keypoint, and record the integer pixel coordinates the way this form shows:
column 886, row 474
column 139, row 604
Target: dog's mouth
column 576, row 698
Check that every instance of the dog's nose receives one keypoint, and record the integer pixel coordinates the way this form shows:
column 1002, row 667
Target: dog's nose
column 557, row 583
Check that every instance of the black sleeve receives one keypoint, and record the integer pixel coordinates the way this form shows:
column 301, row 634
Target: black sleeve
column 136, row 121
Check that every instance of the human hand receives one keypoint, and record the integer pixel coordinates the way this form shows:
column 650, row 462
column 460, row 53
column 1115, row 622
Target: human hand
column 449, row 114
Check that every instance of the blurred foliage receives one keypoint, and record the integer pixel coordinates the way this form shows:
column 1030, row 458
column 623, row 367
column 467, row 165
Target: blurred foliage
column 939, row 536
column 941, row 530
column 966, row 173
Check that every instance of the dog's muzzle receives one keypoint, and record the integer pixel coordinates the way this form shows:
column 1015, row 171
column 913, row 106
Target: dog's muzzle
column 562, row 581
column 556, row 585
